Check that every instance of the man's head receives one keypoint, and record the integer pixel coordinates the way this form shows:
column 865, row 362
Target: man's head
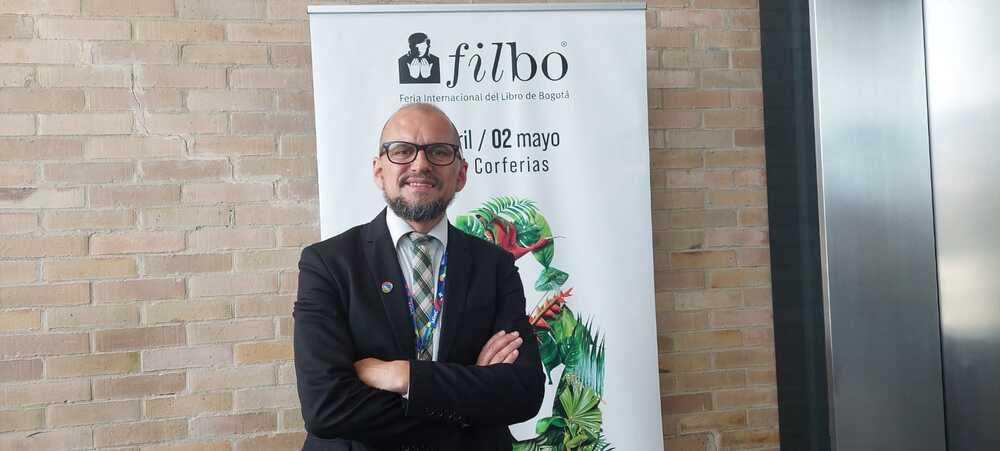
column 419, row 191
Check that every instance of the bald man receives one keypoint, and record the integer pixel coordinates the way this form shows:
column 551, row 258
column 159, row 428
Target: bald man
column 409, row 334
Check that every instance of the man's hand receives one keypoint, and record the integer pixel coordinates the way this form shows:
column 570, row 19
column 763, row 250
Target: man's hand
column 392, row 376
column 501, row 348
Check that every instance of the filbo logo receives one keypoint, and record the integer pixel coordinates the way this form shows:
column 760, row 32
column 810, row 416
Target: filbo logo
column 479, row 62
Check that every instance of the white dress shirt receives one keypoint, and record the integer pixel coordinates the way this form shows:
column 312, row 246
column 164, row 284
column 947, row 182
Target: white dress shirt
column 398, row 228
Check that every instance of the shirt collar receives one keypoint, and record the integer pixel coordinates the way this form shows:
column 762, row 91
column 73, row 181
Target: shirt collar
column 398, row 228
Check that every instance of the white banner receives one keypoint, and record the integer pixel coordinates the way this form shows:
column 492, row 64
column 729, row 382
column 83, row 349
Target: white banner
column 550, row 102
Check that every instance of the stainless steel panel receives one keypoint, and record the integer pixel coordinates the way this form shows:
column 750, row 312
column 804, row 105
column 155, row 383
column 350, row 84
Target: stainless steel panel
column 876, row 226
column 964, row 101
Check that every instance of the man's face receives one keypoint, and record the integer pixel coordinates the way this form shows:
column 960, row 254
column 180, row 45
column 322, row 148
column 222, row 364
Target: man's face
column 419, row 183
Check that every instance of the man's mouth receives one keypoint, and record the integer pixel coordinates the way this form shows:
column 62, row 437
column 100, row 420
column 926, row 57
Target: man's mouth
column 420, row 184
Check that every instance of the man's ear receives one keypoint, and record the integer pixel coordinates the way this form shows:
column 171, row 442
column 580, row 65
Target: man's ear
column 377, row 173
column 462, row 176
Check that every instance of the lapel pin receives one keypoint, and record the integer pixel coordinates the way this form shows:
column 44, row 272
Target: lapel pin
column 386, row 287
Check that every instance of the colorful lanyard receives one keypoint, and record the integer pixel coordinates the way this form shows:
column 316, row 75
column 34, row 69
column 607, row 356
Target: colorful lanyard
column 425, row 335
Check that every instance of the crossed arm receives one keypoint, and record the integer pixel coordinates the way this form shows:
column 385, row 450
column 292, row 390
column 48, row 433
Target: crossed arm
column 360, row 399
column 394, row 375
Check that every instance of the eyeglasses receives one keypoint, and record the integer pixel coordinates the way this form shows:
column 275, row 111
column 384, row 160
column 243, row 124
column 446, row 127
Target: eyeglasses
column 402, row 152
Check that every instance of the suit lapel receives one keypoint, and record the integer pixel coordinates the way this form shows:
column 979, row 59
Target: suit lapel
column 384, row 265
column 456, row 287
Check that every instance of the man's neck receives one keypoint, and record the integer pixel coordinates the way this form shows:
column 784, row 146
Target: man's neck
column 425, row 226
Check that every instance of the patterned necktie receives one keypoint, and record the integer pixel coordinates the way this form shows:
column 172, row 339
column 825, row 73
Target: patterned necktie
column 423, row 286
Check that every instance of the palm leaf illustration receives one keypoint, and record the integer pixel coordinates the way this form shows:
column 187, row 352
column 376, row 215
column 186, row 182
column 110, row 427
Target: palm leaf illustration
column 517, row 225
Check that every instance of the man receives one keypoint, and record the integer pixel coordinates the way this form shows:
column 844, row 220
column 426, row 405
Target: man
column 409, row 334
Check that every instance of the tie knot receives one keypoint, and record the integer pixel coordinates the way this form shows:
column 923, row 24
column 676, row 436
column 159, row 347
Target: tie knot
column 422, row 240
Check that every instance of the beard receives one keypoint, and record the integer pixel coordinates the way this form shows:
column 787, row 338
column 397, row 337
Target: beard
column 418, row 213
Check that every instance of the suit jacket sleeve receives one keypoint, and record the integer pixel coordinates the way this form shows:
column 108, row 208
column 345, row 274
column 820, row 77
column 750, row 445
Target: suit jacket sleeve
column 501, row 394
column 335, row 403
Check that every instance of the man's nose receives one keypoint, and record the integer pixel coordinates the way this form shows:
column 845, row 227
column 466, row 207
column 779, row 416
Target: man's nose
column 421, row 163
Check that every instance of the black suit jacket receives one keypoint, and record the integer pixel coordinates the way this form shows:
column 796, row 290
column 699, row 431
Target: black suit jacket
column 342, row 316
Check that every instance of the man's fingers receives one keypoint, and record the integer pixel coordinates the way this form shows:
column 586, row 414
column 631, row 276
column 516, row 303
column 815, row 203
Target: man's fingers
column 511, row 357
column 496, row 343
column 487, row 352
column 502, row 355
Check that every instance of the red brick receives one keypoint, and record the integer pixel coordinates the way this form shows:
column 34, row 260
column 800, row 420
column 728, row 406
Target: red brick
column 88, row 219
column 17, row 174
column 747, row 397
column 188, row 357
column 749, row 439
column 136, row 242
column 181, row 77
column 264, row 305
column 16, row 27
column 233, row 9
column 137, row 195
column 268, row 32
column 283, row 441
column 16, row 100
column 139, row 338
column 274, row 215
column 135, row 52
column 270, row 123
column 720, row 339
column 231, row 284
column 188, row 217
column 744, row 358
column 141, row 432
column 138, row 289
column 137, row 386
column 41, row 198
column 90, row 316
column 265, row 78
column 178, row 31
column 672, row 79
column 134, row 147
column 234, row 145
column 23, row 395
column 93, row 413
column 83, row 29
column 275, row 167
column 291, row 55
column 266, row 398
column 228, row 425
column 201, row 310
column 90, row 268
column 185, row 169
column 40, row 52
column 45, row 295
column 20, row 370
column 230, row 100
column 699, row 402
column 230, row 331
column 51, row 440
column 47, row 344
column 92, row 365
column 227, row 192
column 43, row 246
column 177, row 123
column 178, row 264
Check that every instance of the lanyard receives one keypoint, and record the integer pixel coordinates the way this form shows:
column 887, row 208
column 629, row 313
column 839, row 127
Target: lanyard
column 425, row 335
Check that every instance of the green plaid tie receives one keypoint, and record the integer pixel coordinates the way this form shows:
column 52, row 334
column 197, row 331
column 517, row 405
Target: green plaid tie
column 423, row 286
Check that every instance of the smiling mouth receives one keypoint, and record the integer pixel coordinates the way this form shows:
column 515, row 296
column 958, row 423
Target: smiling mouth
column 421, row 184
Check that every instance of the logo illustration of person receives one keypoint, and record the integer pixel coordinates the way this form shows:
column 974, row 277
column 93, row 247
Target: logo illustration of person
column 419, row 65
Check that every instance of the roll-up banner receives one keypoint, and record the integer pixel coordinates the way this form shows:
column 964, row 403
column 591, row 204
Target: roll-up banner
column 550, row 103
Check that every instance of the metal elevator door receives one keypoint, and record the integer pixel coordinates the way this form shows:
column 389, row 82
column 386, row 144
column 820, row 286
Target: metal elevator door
column 964, row 112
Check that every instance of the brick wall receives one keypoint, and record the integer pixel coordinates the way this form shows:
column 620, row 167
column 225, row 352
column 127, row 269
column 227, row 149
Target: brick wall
column 158, row 179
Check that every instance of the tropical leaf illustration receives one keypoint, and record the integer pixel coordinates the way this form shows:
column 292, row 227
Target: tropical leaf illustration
column 575, row 424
